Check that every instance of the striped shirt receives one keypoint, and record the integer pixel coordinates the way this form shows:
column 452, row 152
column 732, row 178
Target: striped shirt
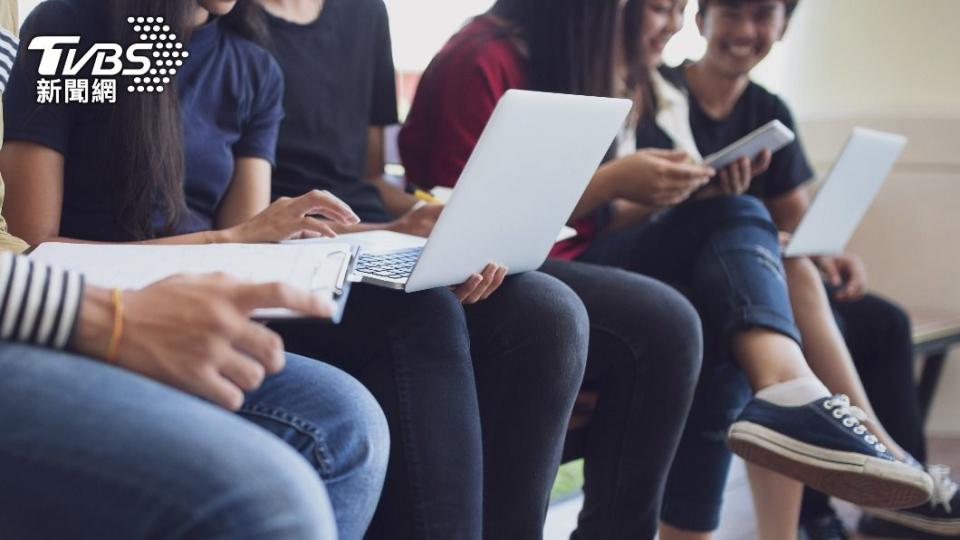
column 39, row 304
column 8, row 52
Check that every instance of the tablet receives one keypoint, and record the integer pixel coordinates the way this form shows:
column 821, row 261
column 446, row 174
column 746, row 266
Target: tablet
column 773, row 136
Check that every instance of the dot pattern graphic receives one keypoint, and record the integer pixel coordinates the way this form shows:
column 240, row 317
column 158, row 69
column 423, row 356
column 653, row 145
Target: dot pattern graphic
column 167, row 56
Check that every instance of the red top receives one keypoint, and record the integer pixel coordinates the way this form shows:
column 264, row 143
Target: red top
column 454, row 101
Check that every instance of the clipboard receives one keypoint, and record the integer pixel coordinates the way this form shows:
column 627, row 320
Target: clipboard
column 322, row 268
column 331, row 278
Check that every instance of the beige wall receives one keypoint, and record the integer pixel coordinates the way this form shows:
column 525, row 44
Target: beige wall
column 895, row 65
column 855, row 55
column 26, row 6
column 8, row 20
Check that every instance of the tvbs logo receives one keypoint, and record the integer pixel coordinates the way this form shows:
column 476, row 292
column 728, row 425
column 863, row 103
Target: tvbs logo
column 149, row 65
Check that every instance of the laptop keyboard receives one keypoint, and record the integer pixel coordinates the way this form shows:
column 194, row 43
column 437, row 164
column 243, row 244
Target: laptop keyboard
column 393, row 265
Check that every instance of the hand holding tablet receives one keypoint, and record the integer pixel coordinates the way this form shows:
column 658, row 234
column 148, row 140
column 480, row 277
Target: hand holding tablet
column 771, row 136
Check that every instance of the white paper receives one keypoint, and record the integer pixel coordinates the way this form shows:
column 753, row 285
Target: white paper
column 315, row 267
column 369, row 241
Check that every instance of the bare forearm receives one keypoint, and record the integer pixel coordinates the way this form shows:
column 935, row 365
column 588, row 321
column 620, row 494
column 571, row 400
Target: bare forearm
column 397, row 201
column 598, row 193
column 787, row 210
column 95, row 324
column 626, row 214
column 359, row 227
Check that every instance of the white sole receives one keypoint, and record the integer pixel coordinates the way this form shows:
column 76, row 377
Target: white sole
column 918, row 523
column 858, row 478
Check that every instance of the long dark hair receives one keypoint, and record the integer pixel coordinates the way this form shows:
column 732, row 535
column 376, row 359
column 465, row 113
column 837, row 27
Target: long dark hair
column 147, row 141
column 572, row 42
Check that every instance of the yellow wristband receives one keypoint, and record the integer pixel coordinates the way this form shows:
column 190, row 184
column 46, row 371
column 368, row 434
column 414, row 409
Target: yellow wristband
column 114, row 346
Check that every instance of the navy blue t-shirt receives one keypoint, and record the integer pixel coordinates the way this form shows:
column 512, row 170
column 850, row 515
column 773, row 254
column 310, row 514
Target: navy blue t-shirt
column 339, row 81
column 789, row 167
column 230, row 93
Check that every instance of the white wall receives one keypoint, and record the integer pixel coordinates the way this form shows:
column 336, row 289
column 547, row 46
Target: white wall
column 25, row 6
column 420, row 27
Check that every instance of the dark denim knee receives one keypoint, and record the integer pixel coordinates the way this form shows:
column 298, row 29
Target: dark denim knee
column 433, row 305
column 675, row 327
column 739, row 280
column 430, row 329
column 552, row 315
column 657, row 324
column 735, row 207
column 741, row 226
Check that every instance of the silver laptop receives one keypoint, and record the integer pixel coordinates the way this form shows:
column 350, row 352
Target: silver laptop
column 846, row 194
column 532, row 163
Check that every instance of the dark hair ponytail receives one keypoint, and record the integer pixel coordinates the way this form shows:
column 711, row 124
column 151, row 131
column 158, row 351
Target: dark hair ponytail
column 147, row 141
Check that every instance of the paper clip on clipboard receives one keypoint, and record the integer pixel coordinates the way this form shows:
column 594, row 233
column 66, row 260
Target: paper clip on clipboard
column 340, row 263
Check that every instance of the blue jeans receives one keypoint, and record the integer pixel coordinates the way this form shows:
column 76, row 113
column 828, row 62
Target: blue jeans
column 88, row 450
column 478, row 399
column 723, row 254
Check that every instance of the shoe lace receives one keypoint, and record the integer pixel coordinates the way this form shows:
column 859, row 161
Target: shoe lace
column 853, row 417
column 944, row 488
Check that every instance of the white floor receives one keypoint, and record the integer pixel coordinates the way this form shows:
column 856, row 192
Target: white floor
column 562, row 519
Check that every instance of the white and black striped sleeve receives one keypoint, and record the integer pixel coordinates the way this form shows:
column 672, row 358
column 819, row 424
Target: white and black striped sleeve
column 39, row 304
column 8, row 53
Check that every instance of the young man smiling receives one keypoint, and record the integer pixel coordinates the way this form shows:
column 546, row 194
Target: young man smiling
column 724, row 105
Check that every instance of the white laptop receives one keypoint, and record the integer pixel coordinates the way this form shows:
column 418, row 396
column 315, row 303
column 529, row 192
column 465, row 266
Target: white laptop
column 532, row 163
column 846, row 194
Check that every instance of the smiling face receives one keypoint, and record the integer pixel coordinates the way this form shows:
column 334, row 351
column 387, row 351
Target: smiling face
column 661, row 20
column 740, row 34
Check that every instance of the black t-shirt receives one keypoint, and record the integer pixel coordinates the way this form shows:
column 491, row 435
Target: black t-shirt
column 757, row 106
column 339, row 81
column 229, row 90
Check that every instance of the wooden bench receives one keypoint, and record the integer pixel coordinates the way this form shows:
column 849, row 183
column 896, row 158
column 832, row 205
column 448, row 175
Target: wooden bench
column 933, row 336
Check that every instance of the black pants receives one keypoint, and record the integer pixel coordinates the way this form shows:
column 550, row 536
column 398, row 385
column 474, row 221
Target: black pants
column 477, row 400
column 877, row 332
column 644, row 359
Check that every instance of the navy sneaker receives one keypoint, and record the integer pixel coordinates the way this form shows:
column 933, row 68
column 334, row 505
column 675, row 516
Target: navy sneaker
column 939, row 518
column 825, row 527
column 825, row 445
